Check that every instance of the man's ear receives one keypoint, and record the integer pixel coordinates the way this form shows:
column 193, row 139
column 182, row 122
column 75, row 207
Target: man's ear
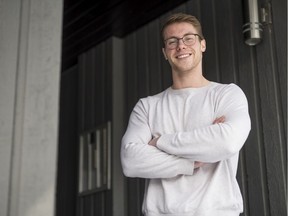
column 203, row 45
column 165, row 56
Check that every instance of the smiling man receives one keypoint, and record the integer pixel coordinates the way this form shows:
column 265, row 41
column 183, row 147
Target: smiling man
column 185, row 141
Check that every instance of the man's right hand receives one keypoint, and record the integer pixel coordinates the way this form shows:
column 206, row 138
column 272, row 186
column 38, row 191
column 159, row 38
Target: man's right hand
column 198, row 164
column 219, row 120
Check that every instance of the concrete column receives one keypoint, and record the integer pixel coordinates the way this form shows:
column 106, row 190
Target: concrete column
column 30, row 48
column 9, row 32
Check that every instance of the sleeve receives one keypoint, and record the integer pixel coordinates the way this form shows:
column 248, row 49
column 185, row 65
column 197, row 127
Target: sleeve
column 142, row 160
column 217, row 141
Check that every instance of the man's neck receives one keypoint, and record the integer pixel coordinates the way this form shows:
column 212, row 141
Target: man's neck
column 189, row 80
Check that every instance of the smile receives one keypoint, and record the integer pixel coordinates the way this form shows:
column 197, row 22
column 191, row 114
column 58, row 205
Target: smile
column 183, row 56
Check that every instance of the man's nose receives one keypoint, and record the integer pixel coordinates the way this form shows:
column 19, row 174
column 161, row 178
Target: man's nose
column 180, row 44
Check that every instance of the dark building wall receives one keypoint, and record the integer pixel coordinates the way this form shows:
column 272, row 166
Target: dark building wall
column 67, row 167
column 261, row 72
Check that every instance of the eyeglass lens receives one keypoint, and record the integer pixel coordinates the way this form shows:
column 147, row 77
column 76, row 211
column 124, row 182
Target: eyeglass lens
column 188, row 40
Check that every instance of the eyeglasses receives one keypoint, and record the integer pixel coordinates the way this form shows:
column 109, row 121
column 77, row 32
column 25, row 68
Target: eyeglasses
column 188, row 40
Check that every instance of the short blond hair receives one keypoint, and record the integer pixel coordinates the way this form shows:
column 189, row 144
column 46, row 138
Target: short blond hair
column 182, row 17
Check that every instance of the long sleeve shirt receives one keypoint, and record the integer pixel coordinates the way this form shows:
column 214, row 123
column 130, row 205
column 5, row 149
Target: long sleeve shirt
column 183, row 121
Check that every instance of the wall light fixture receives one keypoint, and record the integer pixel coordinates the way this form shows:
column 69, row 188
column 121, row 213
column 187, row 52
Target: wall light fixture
column 252, row 28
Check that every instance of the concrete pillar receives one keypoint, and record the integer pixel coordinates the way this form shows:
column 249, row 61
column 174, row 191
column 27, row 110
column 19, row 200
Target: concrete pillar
column 30, row 48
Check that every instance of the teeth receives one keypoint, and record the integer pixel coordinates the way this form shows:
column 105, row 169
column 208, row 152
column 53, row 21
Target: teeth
column 183, row 56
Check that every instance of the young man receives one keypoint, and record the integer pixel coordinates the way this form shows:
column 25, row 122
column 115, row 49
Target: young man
column 186, row 140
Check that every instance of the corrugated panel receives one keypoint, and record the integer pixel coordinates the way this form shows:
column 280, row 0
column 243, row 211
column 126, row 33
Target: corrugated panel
column 260, row 71
column 67, row 147
column 94, row 87
column 95, row 109
column 95, row 204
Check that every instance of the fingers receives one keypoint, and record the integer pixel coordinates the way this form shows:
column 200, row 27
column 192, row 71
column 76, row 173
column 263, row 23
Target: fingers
column 219, row 120
column 153, row 142
column 198, row 164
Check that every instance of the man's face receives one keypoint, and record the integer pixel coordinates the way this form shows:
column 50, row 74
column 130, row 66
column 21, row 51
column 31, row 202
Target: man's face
column 183, row 58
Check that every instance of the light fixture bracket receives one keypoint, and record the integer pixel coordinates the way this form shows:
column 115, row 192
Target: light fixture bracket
column 266, row 14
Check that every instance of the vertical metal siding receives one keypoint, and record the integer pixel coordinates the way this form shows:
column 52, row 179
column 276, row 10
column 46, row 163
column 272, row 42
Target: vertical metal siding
column 67, row 147
column 279, row 39
column 95, row 101
column 260, row 71
column 94, row 83
column 154, row 58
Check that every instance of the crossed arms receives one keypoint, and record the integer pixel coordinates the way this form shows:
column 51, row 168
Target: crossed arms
column 180, row 153
column 197, row 164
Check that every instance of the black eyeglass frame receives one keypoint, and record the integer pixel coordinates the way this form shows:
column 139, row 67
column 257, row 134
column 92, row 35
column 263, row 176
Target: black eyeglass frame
column 178, row 39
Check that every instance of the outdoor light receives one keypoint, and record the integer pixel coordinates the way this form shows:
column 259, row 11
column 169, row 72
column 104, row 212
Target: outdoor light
column 252, row 28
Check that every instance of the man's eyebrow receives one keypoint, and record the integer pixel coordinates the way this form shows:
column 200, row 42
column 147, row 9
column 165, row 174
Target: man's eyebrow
column 189, row 33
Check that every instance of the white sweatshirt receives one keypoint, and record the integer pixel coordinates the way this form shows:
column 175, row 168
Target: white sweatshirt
column 183, row 119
